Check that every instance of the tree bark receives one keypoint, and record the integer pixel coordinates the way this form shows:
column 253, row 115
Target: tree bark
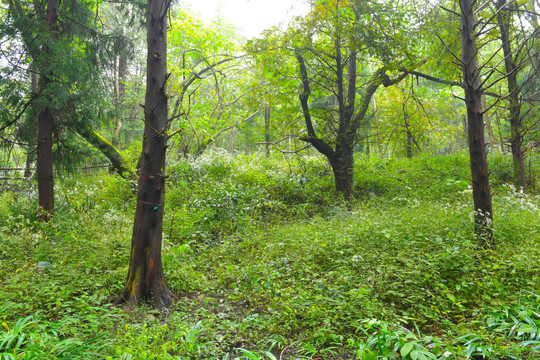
column 30, row 154
column 343, row 165
column 267, row 129
column 145, row 280
column 120, row 90
column 516, row 137
column 46, row 124
column 112, row 153
column 483, row 218
column 489, row 128
column 409, row 144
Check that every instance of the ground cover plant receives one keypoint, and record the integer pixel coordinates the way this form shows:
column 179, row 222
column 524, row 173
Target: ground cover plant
column 269, row 263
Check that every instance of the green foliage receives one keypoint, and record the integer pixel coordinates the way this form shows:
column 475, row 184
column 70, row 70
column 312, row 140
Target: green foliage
column 387, row 343
column 73, row 91
column 236, row 193
column 28, row 338
column 269, row 262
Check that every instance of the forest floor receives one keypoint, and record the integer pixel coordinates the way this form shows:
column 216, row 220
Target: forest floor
column 269, row 263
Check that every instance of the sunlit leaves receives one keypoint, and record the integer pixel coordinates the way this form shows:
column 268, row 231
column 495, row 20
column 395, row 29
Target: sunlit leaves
column 210, row 80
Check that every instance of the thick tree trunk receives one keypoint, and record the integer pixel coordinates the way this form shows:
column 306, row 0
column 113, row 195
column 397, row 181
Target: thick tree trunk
column 146, row 280
column 342, row 166
column 477, row 147
column 46, row 126
column 516, row 137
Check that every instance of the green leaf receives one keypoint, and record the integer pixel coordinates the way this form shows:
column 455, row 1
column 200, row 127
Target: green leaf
column 406, row 349
column 250, row 354
column 529, row 329
column 470, row 350
column 270, row 355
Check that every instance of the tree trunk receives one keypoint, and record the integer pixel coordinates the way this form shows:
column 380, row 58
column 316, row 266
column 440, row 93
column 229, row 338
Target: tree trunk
column 516, row 137
column 342, row 165
column 109, row 150
column 483, row 217
column 120, row 89
column 146, row 280
column 32, row 148
column 409, row 145
column 489, row 128
column 267, row 129
column 46, row 125
column 44, row 164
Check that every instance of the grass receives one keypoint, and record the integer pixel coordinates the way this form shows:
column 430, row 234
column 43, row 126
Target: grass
column 269, row 263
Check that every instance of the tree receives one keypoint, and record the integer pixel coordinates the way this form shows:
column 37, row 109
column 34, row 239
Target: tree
column 472, row 82
column 46, row 121
column 350, row 117
column 123, row 23
column 145, row 280
column 62, row 47
column 515, row 61
column 511, row 62
column 332, row 46
column 209, row 83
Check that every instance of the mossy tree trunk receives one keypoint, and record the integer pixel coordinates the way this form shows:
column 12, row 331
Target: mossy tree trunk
column 112, row 153
column 145, row 280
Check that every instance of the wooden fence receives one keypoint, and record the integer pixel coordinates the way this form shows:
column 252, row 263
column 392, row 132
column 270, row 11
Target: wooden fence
column 16, row 173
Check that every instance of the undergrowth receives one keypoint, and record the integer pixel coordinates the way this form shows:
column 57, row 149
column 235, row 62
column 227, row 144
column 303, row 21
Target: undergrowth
column 270, row 263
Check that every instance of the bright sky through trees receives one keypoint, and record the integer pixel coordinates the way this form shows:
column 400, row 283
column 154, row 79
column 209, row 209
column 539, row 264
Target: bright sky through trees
column 250, row 16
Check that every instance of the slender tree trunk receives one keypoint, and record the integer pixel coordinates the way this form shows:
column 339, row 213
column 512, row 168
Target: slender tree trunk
column 376, row 120
column 516, row 137
column 29, row 163
column 46, row 125
column 44, row 164
column 483, row 218
column 267, row 129
column 120, row 89
column 146, row 280
column 32, row 148
column 408, row 133
column 489, row 128
column 368, row 149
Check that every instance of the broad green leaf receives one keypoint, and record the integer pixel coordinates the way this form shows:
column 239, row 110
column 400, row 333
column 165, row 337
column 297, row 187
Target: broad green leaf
column 406, row 349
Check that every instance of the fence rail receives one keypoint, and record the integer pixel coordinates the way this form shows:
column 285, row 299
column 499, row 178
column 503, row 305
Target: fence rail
column 16, row 174
column 75, row 168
